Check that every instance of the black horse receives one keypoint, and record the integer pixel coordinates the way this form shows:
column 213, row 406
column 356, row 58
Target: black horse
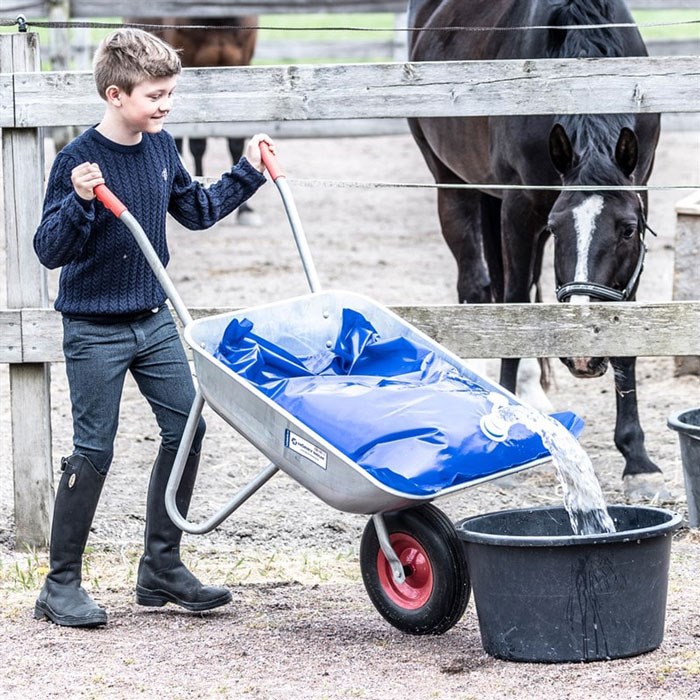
column 498, row 236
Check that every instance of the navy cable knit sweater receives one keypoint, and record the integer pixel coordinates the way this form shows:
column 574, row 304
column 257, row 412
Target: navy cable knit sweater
column 104, row 271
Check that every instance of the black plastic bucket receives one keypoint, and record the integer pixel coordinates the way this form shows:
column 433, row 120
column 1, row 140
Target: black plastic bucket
column 544, row 594
column 687, row 423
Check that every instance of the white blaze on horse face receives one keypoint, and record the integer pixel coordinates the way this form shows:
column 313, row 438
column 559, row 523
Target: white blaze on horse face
column 585, row 215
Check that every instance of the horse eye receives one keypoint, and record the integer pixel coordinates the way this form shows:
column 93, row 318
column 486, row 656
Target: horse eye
column 629, row 232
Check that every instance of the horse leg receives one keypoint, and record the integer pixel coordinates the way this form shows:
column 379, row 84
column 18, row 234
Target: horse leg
column 491, row 237
column 509, row 373
column 629, row 436
column 235, row 148
column 528, row 372
column 534, row 374
column 642, row 479
column 459, row 212
column 520, row 230
column 245, row 215
column 197, row 149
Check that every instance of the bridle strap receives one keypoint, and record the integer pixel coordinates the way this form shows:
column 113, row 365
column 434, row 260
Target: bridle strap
column 601, row 291
column 589, row 289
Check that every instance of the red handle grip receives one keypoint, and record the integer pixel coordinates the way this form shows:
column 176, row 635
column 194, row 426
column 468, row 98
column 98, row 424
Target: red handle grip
column 110, row 200
column 270, row 160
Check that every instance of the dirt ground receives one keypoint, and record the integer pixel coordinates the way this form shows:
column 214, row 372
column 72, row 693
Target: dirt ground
column 301, row 624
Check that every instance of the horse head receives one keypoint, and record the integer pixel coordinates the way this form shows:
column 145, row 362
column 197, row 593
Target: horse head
column 598, row 235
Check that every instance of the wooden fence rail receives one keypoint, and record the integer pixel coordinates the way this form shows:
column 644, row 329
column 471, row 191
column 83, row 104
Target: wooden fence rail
column 379, row 90
column 476, row 331
column 30, row 101
column 325, row 100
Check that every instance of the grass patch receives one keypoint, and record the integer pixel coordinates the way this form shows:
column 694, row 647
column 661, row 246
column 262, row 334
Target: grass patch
column 682, row 31
column 106, row 567
column 23, row 572
column 326, row 27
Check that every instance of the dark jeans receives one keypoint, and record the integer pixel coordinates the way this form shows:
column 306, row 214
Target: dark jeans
column 98, row 357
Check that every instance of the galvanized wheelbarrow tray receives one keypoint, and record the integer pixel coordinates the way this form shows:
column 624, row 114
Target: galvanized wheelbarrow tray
column 411, row 558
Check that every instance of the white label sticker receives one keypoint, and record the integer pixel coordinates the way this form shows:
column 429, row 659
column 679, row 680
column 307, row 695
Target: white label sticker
column 306, row 449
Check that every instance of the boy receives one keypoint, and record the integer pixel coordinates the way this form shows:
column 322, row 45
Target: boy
column 115, row 318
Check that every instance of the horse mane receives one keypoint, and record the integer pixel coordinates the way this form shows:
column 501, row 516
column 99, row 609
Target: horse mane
column 587, row 43
column 594, row 138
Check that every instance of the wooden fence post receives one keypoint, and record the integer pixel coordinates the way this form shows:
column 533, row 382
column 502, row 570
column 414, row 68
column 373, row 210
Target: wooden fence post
column 686, row 279
column 30, row 401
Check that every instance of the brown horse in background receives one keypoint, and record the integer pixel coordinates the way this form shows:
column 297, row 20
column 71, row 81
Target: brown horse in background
column 225, row 44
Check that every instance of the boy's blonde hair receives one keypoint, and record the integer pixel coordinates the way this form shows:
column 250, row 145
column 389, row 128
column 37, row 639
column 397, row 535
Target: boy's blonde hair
column 129, row 56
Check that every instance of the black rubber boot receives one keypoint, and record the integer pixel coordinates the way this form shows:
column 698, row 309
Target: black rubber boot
column 62, row 599
column 162, row 577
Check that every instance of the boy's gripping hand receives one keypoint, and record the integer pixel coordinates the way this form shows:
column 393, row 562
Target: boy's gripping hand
column 85, row 177
column 252, row 151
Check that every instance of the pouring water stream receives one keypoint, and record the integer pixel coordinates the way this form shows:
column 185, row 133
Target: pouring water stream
column 583, row 497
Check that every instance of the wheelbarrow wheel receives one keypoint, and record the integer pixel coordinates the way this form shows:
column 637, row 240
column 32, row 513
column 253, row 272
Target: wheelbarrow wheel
column 435, row 593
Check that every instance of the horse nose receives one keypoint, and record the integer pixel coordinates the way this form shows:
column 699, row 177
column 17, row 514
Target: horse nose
column 586, row 366
column 583, row 365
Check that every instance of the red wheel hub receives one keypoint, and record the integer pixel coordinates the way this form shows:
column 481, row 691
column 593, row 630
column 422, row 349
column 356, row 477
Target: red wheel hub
column 415, row 591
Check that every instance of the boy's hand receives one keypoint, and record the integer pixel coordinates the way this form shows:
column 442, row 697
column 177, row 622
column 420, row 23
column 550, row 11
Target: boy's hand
column 252, row 151
column 85, row 177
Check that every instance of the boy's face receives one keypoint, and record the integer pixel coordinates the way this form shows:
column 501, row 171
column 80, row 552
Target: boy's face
column 148, row 105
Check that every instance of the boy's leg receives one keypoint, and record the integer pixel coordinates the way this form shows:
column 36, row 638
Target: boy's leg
column 162, row 577
column 163, row 375
column 96, row 356
column 62, row 599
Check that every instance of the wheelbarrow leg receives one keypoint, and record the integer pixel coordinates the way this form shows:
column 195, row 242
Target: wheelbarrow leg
column 384, row 542
column 179, row 467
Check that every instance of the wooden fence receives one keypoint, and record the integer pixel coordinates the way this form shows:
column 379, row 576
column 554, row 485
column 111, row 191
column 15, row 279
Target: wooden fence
column 75, row 51
column 30, row 100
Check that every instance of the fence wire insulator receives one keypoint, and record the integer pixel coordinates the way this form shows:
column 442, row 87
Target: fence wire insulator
column 22, row 23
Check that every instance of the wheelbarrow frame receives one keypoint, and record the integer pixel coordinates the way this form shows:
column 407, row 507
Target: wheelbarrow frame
column 315, row 463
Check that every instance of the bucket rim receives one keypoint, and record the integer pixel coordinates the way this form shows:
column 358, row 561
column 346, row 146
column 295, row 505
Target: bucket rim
column 677, row 421
column 670, row 524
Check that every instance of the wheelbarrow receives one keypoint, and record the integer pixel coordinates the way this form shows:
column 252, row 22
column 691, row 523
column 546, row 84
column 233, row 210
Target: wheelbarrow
column 411, row 558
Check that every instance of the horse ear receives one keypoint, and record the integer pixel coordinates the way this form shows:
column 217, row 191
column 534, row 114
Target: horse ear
column 627, row 151
column 560, row 150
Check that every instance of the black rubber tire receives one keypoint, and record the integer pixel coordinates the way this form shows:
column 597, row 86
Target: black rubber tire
column 438, row 606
